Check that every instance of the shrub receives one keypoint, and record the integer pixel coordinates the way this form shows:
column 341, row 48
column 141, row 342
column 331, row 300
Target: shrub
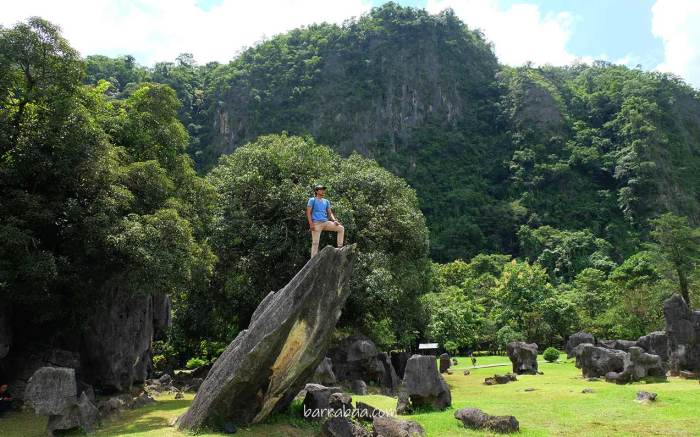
column 195, row 362
column 551, row 354
column 451, row 347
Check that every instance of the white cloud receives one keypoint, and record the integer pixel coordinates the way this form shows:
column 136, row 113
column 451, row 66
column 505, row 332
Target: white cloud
column 677, row 23
column 159, row 30
column 520, row 33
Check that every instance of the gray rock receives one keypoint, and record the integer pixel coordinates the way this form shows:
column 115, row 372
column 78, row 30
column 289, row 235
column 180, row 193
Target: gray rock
column 683, row 331
column 577, row 339
column 324, row 373
column 655, row 343
column 587, row 390
column 367, row 412
column 523, row 356
column 316, row 403
column 357, row 357
column 616, row 365
column 162, row 314
column 505, row 379
column 424, row 385
column 266, row 365
column 117, row 344
column 398, row 361
column 444, row 362
column 640, row 365
column 386, row 426
column 5, row 330
column 620, row 345
column 340, row 403
column 645, row 396
column 474, row 418
column 51, row 391
column 88, row 414
column 529, row 389
column 595, row 361
column 359, row 387
column 342, row 427
column 165, row 379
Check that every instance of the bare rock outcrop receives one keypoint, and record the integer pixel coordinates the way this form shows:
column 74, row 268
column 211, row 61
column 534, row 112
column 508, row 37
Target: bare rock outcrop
column 268, row 363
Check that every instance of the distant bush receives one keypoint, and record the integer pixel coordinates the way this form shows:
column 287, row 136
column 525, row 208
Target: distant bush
column 195, row 362
column 551, row 354
column 451, row 347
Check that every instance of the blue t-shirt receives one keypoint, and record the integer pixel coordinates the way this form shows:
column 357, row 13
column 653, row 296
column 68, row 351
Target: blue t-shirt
column 319, row 209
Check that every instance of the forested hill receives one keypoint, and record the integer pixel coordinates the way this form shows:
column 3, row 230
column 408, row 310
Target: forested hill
column 503, row 160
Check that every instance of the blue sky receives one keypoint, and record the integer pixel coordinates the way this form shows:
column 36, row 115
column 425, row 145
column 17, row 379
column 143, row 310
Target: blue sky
column 659, row 35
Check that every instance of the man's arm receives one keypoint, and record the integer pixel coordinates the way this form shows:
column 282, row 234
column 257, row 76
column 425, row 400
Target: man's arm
column 308, row 218
column 331, row 215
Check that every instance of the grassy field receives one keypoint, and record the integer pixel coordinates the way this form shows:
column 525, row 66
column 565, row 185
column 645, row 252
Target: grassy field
column 556, row 407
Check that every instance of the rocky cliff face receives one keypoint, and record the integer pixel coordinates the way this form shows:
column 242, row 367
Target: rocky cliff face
column 269, row 362
column 116, row 348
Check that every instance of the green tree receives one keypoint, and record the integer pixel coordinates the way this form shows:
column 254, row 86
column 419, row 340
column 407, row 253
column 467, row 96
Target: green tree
column 263, row 188
column 678, row 243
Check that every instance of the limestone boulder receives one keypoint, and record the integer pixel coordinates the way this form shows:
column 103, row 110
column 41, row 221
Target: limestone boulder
column 359, row 387
column 117, row 342
column 655, row 343
column 444, row 362
column 357, row 357
column 342, row 427
column 267, row 364
column 577, row 339
column 640, row 365
column 523, row 356
column 387, row 426
column 317, row 401
column 324, row 373
column 620, row 345
column 474, row 418
column 596, row 361
column 399, row 360
column 683, row 331
column 51, row 390
column 423, row 386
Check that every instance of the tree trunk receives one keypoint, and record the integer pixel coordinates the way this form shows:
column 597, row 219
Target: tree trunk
column 683, row 283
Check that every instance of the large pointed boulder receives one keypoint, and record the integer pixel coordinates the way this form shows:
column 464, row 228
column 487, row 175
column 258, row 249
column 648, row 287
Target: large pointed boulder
column 266, row 365
column 683, row 331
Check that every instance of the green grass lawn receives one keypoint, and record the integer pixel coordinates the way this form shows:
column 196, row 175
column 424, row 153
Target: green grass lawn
column 556, row 407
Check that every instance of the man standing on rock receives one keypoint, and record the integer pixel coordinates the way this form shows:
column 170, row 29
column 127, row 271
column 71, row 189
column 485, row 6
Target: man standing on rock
column 317, row 211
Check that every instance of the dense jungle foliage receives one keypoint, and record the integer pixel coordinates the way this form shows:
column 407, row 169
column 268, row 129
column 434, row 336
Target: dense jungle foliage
column 489, row 203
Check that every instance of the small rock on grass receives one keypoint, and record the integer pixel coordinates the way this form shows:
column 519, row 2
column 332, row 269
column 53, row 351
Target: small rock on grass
column 587, row 390
column 529, row 389
column 474, row 418
column 645, row 396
